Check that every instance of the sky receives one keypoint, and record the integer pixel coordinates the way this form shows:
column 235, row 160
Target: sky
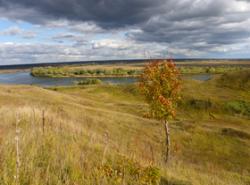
column 37, row 31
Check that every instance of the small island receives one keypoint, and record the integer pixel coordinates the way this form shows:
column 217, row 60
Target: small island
column 126, row 70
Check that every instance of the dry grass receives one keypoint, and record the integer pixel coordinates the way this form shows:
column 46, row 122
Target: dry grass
column 74, row 149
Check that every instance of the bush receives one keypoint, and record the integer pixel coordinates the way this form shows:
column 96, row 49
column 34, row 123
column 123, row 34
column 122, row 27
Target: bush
column 238, row 107
column 131, row 72
column 89, row 81
column 131, row 171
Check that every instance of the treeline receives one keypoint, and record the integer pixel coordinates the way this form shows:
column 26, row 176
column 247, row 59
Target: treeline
column 213, row 70
column 121, row 72
column 115, row 71
column 65, row 72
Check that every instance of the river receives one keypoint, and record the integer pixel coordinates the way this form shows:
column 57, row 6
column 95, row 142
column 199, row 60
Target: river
column 26, row 78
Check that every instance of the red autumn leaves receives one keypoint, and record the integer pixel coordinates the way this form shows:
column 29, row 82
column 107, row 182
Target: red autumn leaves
column 160, row 83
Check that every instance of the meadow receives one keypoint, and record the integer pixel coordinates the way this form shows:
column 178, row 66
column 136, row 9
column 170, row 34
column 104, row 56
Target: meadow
column 100, row 134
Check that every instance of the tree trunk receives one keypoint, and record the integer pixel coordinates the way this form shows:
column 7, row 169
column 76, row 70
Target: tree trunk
column 43, row 120
column 167, row 132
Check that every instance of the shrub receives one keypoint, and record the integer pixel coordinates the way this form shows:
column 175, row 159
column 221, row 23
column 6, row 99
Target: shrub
column 238, row 107
column 130, row 171
column 89, row 81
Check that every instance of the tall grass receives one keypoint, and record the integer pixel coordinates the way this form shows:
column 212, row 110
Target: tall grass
column 64, row 154
column 74, row 149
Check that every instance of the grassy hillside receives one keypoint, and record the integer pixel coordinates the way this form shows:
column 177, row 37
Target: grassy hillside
column 98, row 134
column 236, row 80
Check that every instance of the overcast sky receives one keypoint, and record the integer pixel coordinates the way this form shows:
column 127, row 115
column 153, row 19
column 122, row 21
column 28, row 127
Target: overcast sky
column 71, row 30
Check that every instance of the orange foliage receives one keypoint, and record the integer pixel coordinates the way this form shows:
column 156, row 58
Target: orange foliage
column 160, row 84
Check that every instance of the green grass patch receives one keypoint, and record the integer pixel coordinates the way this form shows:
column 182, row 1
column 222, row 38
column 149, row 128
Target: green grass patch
column 238, row 107
column 89, row 81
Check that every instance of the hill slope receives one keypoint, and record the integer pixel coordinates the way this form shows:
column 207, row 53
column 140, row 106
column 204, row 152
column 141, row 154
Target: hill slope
column 98, row 135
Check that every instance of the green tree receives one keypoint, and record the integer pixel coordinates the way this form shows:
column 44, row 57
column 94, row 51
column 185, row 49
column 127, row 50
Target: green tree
column 160, row 84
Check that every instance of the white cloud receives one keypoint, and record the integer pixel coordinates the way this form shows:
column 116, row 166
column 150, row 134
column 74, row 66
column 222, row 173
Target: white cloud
column 238, row 6
column 111, row 43
column 17, row 31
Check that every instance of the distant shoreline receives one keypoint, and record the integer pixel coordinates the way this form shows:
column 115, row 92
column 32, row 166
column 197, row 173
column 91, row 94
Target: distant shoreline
column 190, row 62
column 6, row 71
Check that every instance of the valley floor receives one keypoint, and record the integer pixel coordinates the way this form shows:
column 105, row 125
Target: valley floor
column 99, row 134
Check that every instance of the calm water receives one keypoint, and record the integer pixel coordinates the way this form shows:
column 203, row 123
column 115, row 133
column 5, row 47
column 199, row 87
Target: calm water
column 26, row 78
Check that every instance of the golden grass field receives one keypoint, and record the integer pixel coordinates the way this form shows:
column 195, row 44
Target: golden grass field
column 98, row 134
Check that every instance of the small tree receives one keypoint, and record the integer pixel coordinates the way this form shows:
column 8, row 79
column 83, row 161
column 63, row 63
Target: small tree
column 160, row 84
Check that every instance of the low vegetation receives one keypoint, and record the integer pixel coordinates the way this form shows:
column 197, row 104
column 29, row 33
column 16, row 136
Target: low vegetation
column 238, row 107
column 81, row 72
column 100, row 134
column 88, row 81
column 236, row 80
column 211, row 70
column 121, row 70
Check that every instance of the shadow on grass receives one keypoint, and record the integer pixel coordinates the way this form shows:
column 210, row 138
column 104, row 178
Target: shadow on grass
column 165, row 181
column 235, row 133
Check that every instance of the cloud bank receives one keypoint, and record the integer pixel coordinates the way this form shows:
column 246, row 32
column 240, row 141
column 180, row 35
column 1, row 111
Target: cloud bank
column 187, row 28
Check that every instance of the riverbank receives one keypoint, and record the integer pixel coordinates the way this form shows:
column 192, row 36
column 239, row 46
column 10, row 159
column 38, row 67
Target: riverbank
column 11, row 71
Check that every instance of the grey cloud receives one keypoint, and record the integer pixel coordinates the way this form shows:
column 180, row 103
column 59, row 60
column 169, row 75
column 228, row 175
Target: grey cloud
column 106, row 13
column 213, row 25
column 33, row 53
column 245, row 0
column 183, row 10
column 13, row 53
column 184, row 27
column 68, row 36
column 77, row 40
